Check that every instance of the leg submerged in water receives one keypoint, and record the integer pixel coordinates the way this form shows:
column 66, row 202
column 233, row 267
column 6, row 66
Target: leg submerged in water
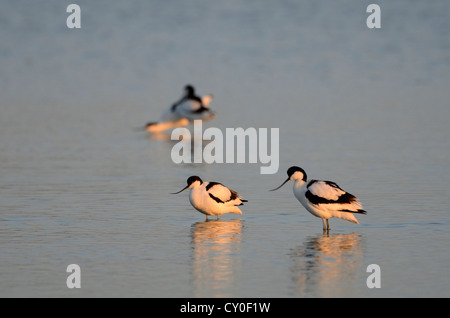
column 326, row 225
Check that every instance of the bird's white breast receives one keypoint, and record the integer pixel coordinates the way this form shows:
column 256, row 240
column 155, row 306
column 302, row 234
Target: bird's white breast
column 299, row 193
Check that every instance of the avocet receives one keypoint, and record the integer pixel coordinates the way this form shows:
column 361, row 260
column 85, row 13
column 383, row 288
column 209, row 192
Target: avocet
column 190, row 107
column 212, row 198
column 324, row 199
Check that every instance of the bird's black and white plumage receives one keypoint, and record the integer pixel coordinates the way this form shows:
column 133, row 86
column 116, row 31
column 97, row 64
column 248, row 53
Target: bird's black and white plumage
column 212, row 198
column 324, row 199
column 189, row 108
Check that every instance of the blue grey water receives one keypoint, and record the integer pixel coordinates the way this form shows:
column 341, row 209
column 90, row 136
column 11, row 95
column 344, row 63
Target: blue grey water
column 80, row 184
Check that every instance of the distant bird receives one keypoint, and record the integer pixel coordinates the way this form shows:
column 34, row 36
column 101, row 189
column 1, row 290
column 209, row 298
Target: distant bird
column 189, row 108
column 212, row 198
column 324, row 199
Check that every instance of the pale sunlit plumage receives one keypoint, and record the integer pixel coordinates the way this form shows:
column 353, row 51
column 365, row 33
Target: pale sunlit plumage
column 212, row 198
column 324, row 199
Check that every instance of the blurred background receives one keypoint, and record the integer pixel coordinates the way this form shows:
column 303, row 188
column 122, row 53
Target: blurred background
column 80, row 183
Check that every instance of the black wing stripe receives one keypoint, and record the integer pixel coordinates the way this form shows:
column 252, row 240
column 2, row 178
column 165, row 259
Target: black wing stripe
column 212, row 184
column 333, row 184
column 200, row 110
column 357, row 211
column 215, row 198
column 345, row 198
column 174, row 106
column 310, row 183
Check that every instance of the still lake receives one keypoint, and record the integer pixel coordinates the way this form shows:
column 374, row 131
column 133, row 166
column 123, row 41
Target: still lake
column 81, row 184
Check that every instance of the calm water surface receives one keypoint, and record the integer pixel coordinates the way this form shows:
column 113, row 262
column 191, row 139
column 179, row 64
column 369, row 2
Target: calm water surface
column 79, row 183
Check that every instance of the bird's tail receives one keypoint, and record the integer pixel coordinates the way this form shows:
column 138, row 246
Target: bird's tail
column 242, row 201
column 236, row 210
column 349, row 216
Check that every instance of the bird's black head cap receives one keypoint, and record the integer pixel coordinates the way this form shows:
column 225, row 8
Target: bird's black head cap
column 294, row 169
column 192, row 179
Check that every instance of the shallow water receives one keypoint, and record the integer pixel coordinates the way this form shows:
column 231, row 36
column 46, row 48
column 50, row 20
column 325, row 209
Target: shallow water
column 80, row 184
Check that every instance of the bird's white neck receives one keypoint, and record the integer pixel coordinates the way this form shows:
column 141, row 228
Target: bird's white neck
column 299, row 183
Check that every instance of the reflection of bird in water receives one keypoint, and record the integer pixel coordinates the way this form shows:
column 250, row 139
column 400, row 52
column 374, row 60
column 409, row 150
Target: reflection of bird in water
column 185, row 110
column 324, row 199
column 215, row 246
column 212, row 198
column 326, row 262
column 217, row 231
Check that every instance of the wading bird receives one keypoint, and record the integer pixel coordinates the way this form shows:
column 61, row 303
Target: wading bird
column 212, row 198
column 189, row 108
column 324, row 199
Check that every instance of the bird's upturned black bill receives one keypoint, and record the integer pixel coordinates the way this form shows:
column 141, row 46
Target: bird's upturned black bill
column 280, row 185
column 181, row 190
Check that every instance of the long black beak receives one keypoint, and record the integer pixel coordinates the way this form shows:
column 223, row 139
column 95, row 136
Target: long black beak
column 181, row 189
column 281, row 184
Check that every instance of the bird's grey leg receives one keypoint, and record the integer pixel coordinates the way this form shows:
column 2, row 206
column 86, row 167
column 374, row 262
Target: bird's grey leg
column 326, row 226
